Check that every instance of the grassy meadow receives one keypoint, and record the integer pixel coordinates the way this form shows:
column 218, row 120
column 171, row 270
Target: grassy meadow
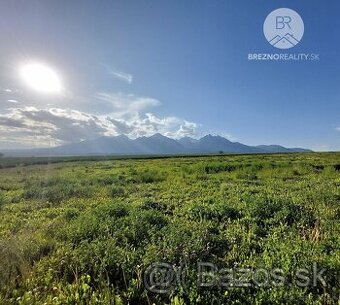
column 86, row 231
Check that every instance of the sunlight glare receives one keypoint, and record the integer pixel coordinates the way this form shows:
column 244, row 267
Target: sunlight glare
column 41, row 78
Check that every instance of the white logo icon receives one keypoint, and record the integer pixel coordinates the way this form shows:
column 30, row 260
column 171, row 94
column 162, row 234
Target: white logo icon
column 283, row 28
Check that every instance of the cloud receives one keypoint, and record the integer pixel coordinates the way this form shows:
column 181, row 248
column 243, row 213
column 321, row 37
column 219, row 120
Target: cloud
column 338, row 128
column 149, row 124
column 125, row 77
column 122, row 76
column 121, row 126
column 126, row 104
column 12, row 101
column 186, row 129
column 55, row 126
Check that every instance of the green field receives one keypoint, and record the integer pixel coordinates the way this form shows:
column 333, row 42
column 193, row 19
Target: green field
column 88, row 231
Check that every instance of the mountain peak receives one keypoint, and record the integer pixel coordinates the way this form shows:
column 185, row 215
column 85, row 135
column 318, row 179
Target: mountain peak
column 212, row 137
column 158, row 136
column 208, row 136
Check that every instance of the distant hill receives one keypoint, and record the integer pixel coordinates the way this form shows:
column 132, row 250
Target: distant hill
column 156, row 144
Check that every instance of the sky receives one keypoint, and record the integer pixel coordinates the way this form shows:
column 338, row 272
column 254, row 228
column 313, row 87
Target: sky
column 176, row 67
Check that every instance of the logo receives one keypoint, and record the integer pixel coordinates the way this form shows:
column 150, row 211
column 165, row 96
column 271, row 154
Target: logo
column 283, row 28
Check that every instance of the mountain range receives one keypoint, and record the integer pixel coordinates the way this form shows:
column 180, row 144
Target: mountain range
column 156, row 144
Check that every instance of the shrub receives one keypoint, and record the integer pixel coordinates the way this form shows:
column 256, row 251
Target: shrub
column 98, row 222
column 337, row 167
column 246, row 174
column 12, row 266
column 213, row 212
column 55, row 190
column 275, row 211
column 115, row 210
column 71, row 214
column 148, row 176
column 117, row 191
column 151, row 205
column 109, row 180
column 2, row 200
column 217, row 167
column 229, row 212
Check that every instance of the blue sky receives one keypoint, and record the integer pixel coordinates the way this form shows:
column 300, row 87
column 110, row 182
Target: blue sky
column 175, row 67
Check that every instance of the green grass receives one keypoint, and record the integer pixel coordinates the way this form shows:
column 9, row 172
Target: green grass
column 84, row 231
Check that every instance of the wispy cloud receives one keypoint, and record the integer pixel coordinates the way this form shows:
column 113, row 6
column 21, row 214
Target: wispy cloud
column 338, row 128
column 126, row 104
column 123, row 76
column 12, row 101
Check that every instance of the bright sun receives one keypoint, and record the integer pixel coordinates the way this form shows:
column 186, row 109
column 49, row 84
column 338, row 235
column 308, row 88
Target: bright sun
column 41, row 78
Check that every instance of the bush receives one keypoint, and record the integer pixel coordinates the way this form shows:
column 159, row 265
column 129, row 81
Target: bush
column 148, row 176
column 71, row 214
column 110, row 180
column 213, row 212
column 12, row 266
column 213, row 168
column 117, row 191
column 337, row 167
column 55, row 190
column 111, row 211
column 151, row 205
column 2, row 200
column 274, row 211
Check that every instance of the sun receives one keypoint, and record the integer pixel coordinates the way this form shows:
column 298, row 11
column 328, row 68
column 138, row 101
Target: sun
column 41, row 78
